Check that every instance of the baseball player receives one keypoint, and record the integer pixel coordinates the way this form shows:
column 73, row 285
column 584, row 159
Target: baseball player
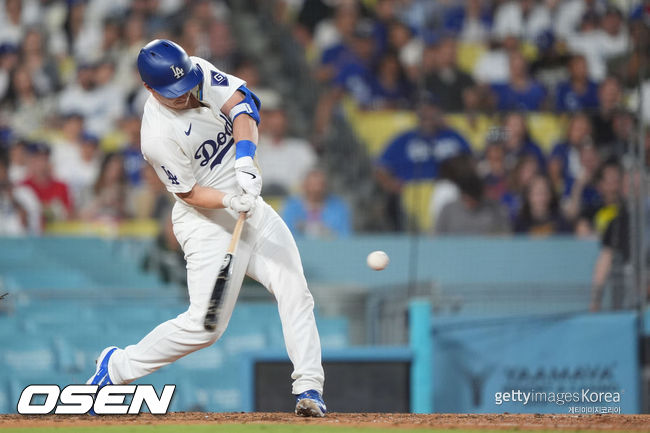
column 199, row 130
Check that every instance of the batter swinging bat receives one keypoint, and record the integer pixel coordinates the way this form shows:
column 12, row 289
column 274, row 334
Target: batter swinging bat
column 210, row 322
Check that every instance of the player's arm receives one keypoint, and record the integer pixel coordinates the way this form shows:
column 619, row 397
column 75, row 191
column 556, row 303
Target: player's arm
column 387, row 180
column 210, row 198
column 202, row 196
column 242, row 108
column 244, row 127
column 228, row 95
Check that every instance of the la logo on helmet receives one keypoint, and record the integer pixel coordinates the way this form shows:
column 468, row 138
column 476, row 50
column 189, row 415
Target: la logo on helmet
column 178, row 72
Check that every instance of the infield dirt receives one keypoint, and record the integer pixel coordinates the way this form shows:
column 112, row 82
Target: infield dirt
column 438, row 421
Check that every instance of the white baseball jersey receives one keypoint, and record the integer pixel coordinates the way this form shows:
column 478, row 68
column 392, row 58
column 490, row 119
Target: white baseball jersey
column 193, row 146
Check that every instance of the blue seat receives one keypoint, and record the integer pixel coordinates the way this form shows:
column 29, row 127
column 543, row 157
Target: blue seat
column 18, row 381
column 333, row 332
column 77, row 353
column 237, row 340
column 217, row 389
column 10, row 326
column 71, row 263
column 250, row 313
column 26, row 354
column 49, row 279
column 7, row 405
column 274, row 336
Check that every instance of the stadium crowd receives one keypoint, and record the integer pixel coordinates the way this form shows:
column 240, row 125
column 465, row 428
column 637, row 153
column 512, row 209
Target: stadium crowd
column 580, row 60
column 71, row 101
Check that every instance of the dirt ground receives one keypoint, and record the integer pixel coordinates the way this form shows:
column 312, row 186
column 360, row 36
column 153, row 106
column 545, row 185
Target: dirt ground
column 456, row 421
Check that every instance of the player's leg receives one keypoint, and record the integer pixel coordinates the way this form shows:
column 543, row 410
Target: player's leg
column 275, row 263
column 204, row 244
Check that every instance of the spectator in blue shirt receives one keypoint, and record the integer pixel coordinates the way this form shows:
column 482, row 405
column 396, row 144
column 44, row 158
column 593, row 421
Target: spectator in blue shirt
column 344, row 22
column 564, row 162
column 354, row 73
column 521, row 175
column 389, row 87
column 520, row 92
column 353, row 76
column 578, row 92
column 317, row 214
column 416, row 154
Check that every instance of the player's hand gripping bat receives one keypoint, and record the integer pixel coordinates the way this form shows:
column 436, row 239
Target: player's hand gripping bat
column 220, row 286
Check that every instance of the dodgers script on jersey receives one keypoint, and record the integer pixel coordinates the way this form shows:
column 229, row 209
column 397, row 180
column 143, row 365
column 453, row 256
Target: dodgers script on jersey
column 193, row 146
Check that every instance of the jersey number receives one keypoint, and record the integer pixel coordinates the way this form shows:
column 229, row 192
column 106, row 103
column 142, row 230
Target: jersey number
column 171, row 176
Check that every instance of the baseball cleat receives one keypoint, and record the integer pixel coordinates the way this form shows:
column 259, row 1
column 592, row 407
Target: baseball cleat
column 101, row 376
column 310, row 403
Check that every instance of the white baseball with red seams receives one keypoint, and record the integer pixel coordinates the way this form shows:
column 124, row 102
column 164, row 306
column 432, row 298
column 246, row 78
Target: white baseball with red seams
column 377, row 260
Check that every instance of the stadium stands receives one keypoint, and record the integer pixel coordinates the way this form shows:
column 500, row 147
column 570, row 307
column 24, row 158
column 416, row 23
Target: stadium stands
column 71, row 297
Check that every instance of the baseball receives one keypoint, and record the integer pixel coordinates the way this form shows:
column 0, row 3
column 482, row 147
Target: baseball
column 377, row 260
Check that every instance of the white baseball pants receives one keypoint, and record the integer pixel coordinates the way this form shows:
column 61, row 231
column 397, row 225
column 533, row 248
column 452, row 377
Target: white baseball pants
column 267, row 252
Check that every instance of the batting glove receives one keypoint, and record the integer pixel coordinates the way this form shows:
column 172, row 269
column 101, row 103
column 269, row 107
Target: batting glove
column 240, row 203
column 248, row 176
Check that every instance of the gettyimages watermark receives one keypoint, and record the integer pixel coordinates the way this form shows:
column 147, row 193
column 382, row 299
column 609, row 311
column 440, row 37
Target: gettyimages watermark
column 81, row 399
column 577, row 402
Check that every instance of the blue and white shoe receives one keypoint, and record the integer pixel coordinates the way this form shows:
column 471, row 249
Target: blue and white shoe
column 310, row 403
column 101, row 376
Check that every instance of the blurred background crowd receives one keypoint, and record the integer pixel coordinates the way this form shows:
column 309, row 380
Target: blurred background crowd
column 510, row 116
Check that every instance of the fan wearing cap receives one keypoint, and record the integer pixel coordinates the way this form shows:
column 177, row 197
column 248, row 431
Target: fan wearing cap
column 199, row 133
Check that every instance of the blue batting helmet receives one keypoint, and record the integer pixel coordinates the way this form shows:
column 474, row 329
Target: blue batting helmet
column 165, row 67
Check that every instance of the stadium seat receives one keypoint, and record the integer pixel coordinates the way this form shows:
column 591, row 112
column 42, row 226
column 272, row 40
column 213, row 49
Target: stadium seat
column 49, row 317
column 262, row 313
column 53, row 310
column 26, row 354
column 416, row 197
column 333, row 332
column 474, row 128
column 58, row 278
column 237, row 340
column 546, row 129
column 77, row 353
column 10, row 326
column 376, row 128
column 16, row 252
column 275, row 337
column 209, row 358
column 135, row 228
column 71, row 264
column 18, row 381
column 6, row 404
